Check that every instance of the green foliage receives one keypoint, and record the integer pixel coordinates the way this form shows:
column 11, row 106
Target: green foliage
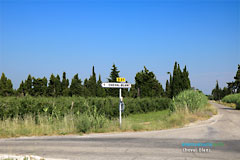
column 101, row 92
column 28, row 85
column 60, row 106
column 113, row 78
column 218, row 93
column 90, row 120
column 91, row 85
column 147, row 85
column 234, row 87
column 64, row 85
column 233, row 98
column 39, row 87
column 179, row 81
column 133, row 92
column 186, row 84
column 76, row 86
column 167, row 89
column 6, row 87
column 189, row 100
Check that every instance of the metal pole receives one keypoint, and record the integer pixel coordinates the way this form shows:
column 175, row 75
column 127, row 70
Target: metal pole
column 120, row 111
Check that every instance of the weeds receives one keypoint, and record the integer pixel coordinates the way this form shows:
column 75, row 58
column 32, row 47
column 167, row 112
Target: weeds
column 189, row 101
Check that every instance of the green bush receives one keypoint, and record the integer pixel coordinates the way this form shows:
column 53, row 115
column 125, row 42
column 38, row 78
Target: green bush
column 233, row 98
column 189, row 100
column 83, row 123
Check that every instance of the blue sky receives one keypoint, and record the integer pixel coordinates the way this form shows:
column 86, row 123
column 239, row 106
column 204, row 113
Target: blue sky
column 45, row 37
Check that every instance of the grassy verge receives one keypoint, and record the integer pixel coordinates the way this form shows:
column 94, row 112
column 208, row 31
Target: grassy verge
column 232, row 105
column 185, row 108
column 72, row 124
column 232, row 99
column 162, row 120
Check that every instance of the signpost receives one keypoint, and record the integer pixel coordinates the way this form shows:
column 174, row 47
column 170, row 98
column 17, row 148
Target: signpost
column 116, row 85
column 120, row 86
column 120, row 79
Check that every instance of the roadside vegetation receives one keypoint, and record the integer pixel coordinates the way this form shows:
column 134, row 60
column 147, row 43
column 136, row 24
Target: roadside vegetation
column 230, row 95
column 60, row 116
column 231, row 89
column 233, row 99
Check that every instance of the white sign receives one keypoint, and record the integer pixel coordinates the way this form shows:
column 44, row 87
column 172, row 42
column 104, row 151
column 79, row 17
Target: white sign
column 116, row 85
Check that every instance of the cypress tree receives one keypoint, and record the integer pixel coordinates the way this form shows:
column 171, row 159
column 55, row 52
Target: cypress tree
column 28, row 85
column 168, row 90
column 58, row 85
column 100, row 90
column 39, row 87
column 179, row 81
column 36, row 90
column 22, row 89
column 44, row 86
column 86, row 92
column 6, row 87
column 76, row 86
column 216, row 92
column 113, row 78
column 51, row 86
column 92, row 84
column 237, row 80
column 64, row 85
column 186, row 80
column 175, row 81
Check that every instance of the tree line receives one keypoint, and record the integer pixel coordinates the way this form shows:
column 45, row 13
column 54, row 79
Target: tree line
column 146, row 85
column 232, row 87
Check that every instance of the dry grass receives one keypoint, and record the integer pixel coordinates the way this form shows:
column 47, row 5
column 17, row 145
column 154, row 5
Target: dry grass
column 69, row 124
column 232, row 105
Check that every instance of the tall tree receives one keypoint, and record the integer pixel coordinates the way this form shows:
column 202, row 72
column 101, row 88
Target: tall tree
column 92, row 84
column 234, row 87
column 216, row 92
column 28, row 85
column 147, row 84
column 64, row 85
column 22, row 89
column 51, row 86
column 167, row 89
column 113, row 78
column 100, row 90
column 179, row 81
column 237, row 80
column 176, row 80
column 39, row 87
column 186, row 80
column 58, row 86
column 76, row 86
column 86, row 92
column 6, row 87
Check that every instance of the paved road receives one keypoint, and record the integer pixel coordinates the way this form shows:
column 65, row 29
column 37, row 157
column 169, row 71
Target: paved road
column 167, row 144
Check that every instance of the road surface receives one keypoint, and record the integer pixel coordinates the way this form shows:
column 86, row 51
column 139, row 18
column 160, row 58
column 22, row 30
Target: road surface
column 223, row 130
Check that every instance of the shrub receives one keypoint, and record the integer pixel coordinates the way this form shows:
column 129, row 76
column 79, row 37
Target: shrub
column 233, row 98
column 189, row 100
column 90, row 120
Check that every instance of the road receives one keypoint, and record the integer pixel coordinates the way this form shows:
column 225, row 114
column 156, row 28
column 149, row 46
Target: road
column 223, row 128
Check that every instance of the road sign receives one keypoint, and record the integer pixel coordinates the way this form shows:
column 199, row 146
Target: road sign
column 120, row 86
column 116, row 85
column 120, row 79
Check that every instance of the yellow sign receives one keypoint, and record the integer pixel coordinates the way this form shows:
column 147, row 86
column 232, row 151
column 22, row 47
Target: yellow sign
column 120, row 79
